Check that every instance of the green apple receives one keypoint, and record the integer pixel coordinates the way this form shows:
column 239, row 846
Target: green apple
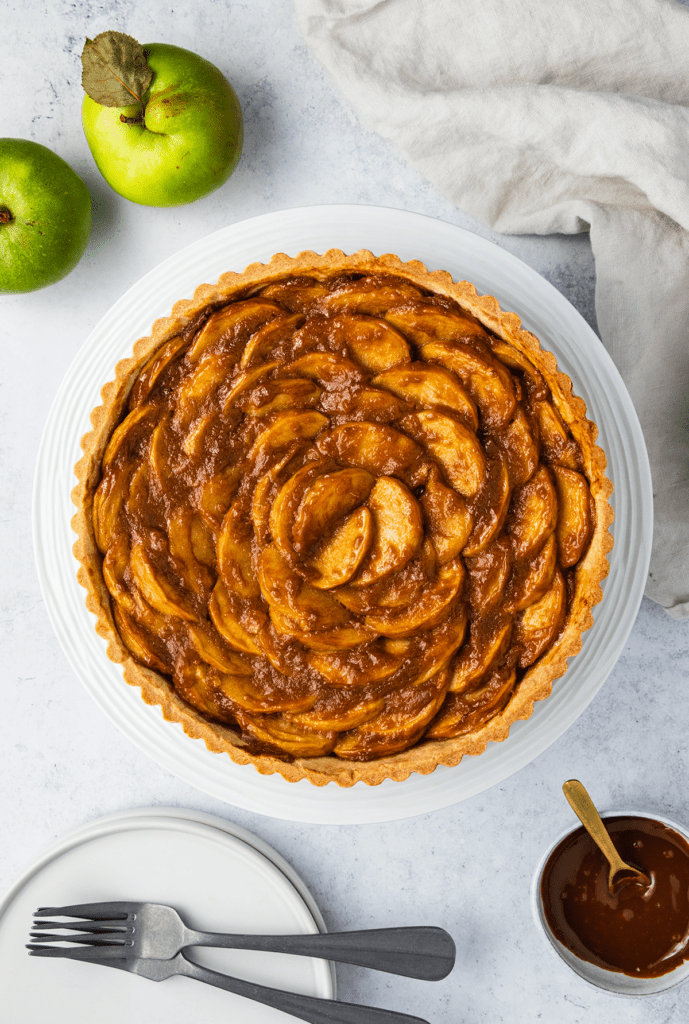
column 45, row 216
column 182, row 141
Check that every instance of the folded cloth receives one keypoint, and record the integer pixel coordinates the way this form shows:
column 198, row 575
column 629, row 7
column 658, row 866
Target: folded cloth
column 541, row 117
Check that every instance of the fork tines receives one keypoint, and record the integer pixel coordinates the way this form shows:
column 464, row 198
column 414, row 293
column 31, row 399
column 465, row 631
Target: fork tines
column 97, row 953
column 84, row 926
column 103, row 931
column 91, row 939
column 92, row 911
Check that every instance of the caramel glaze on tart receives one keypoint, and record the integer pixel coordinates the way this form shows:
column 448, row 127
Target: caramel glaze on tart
column 348, row 512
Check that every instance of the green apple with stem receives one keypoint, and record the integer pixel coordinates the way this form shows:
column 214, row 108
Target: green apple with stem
column 45, row 216
column 163, row 124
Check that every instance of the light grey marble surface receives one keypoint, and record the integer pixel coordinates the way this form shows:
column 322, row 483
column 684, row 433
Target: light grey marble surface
column 62, row 763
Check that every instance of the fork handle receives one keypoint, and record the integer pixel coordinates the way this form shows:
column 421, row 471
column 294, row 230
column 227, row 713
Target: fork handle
column 427, row 953
column 308, row 1008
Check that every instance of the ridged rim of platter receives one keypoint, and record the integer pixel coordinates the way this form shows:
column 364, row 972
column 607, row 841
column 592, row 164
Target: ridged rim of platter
column 440, row 246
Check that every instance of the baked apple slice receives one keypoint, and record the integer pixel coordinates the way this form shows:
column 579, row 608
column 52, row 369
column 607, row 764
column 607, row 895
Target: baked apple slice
column 423, row 322
column 493, row 504
column 533, row 514
column 138, row 640
column 286, row 592
column 158, row 590
column 430, row 607
column 456, row 448
column 556, row 444
column 200, row 385
column 380, row 449
column 406, row 714
column 279, row 731
column 159, row 468
column 194, row 683
column 398, row 589
column 234, row 553
column 115, row 566
column 488, row 383
column 108, row 504
column 266, row 339
column 487, row 642
column 371, row 665
column 337, row 638
column 574, row 520
column 297, row 294
column 286, row 428
column 279, row 394
column 398, row 530
column 240, row 631
column 339, row 556
column 373, row 343
column 183, row 529
column 131, row 430
column 240, row 318
column 216, row 494
column 465, row 712
column 211, row 648
column 138, row 495
column 339, row 712
column 489, row 572
column 329, row 498
column 364, row 404
column 370, row 296
column 426, row 385
column 154, row 369
column 197, row 441
column 521, row 449
column 246, row 693
column 531, row 579
column 286, row 503
column 538, row 625
column 536, row 386
column 448, row 519
column 439, row 644
column 245, row 382
column 331, row 371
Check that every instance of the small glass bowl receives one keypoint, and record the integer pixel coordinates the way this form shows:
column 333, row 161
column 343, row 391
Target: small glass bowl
column 612, row 981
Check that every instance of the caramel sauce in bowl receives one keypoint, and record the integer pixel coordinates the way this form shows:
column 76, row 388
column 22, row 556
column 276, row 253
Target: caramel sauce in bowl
column 635, row 942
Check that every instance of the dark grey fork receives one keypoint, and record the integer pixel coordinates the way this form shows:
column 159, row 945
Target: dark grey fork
column 308, row 1008
column 153, row 930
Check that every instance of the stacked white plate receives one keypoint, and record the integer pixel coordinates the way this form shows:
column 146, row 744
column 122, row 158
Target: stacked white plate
column 542, row 309
column 218, row 876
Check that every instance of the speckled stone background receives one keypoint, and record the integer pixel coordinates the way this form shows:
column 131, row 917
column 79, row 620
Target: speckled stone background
column 62, row 763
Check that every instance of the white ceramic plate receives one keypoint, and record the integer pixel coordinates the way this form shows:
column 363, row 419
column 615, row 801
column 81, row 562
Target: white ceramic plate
column 220, row 878
column 440, row 246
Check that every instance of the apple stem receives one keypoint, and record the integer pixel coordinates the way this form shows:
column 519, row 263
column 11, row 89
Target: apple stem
column 139, row 119
column 5, row 215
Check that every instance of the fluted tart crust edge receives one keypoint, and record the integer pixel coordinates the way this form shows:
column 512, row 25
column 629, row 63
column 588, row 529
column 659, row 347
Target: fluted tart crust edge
column 424, row 757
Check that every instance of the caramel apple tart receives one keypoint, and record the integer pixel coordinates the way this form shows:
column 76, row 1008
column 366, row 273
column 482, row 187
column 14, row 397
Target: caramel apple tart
column 342, row 518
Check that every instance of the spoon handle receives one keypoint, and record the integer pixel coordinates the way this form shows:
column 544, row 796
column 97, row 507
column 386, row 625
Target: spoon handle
column 582, row 805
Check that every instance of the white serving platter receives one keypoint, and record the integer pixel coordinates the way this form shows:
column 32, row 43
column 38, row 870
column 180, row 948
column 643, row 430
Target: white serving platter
column 439, row 245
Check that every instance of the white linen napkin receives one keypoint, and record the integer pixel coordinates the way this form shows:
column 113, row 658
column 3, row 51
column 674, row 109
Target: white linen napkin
column 538, row 116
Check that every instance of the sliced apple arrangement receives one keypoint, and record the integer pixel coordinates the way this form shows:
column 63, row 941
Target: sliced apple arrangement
column 342, row 516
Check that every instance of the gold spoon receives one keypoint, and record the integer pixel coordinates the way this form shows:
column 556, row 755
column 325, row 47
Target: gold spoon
column 582, row 805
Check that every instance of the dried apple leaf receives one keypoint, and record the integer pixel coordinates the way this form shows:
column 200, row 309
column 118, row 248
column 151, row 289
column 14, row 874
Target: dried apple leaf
column 115, row 72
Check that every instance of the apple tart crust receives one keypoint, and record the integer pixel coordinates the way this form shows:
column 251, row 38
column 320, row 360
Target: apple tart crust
column 342, row 518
